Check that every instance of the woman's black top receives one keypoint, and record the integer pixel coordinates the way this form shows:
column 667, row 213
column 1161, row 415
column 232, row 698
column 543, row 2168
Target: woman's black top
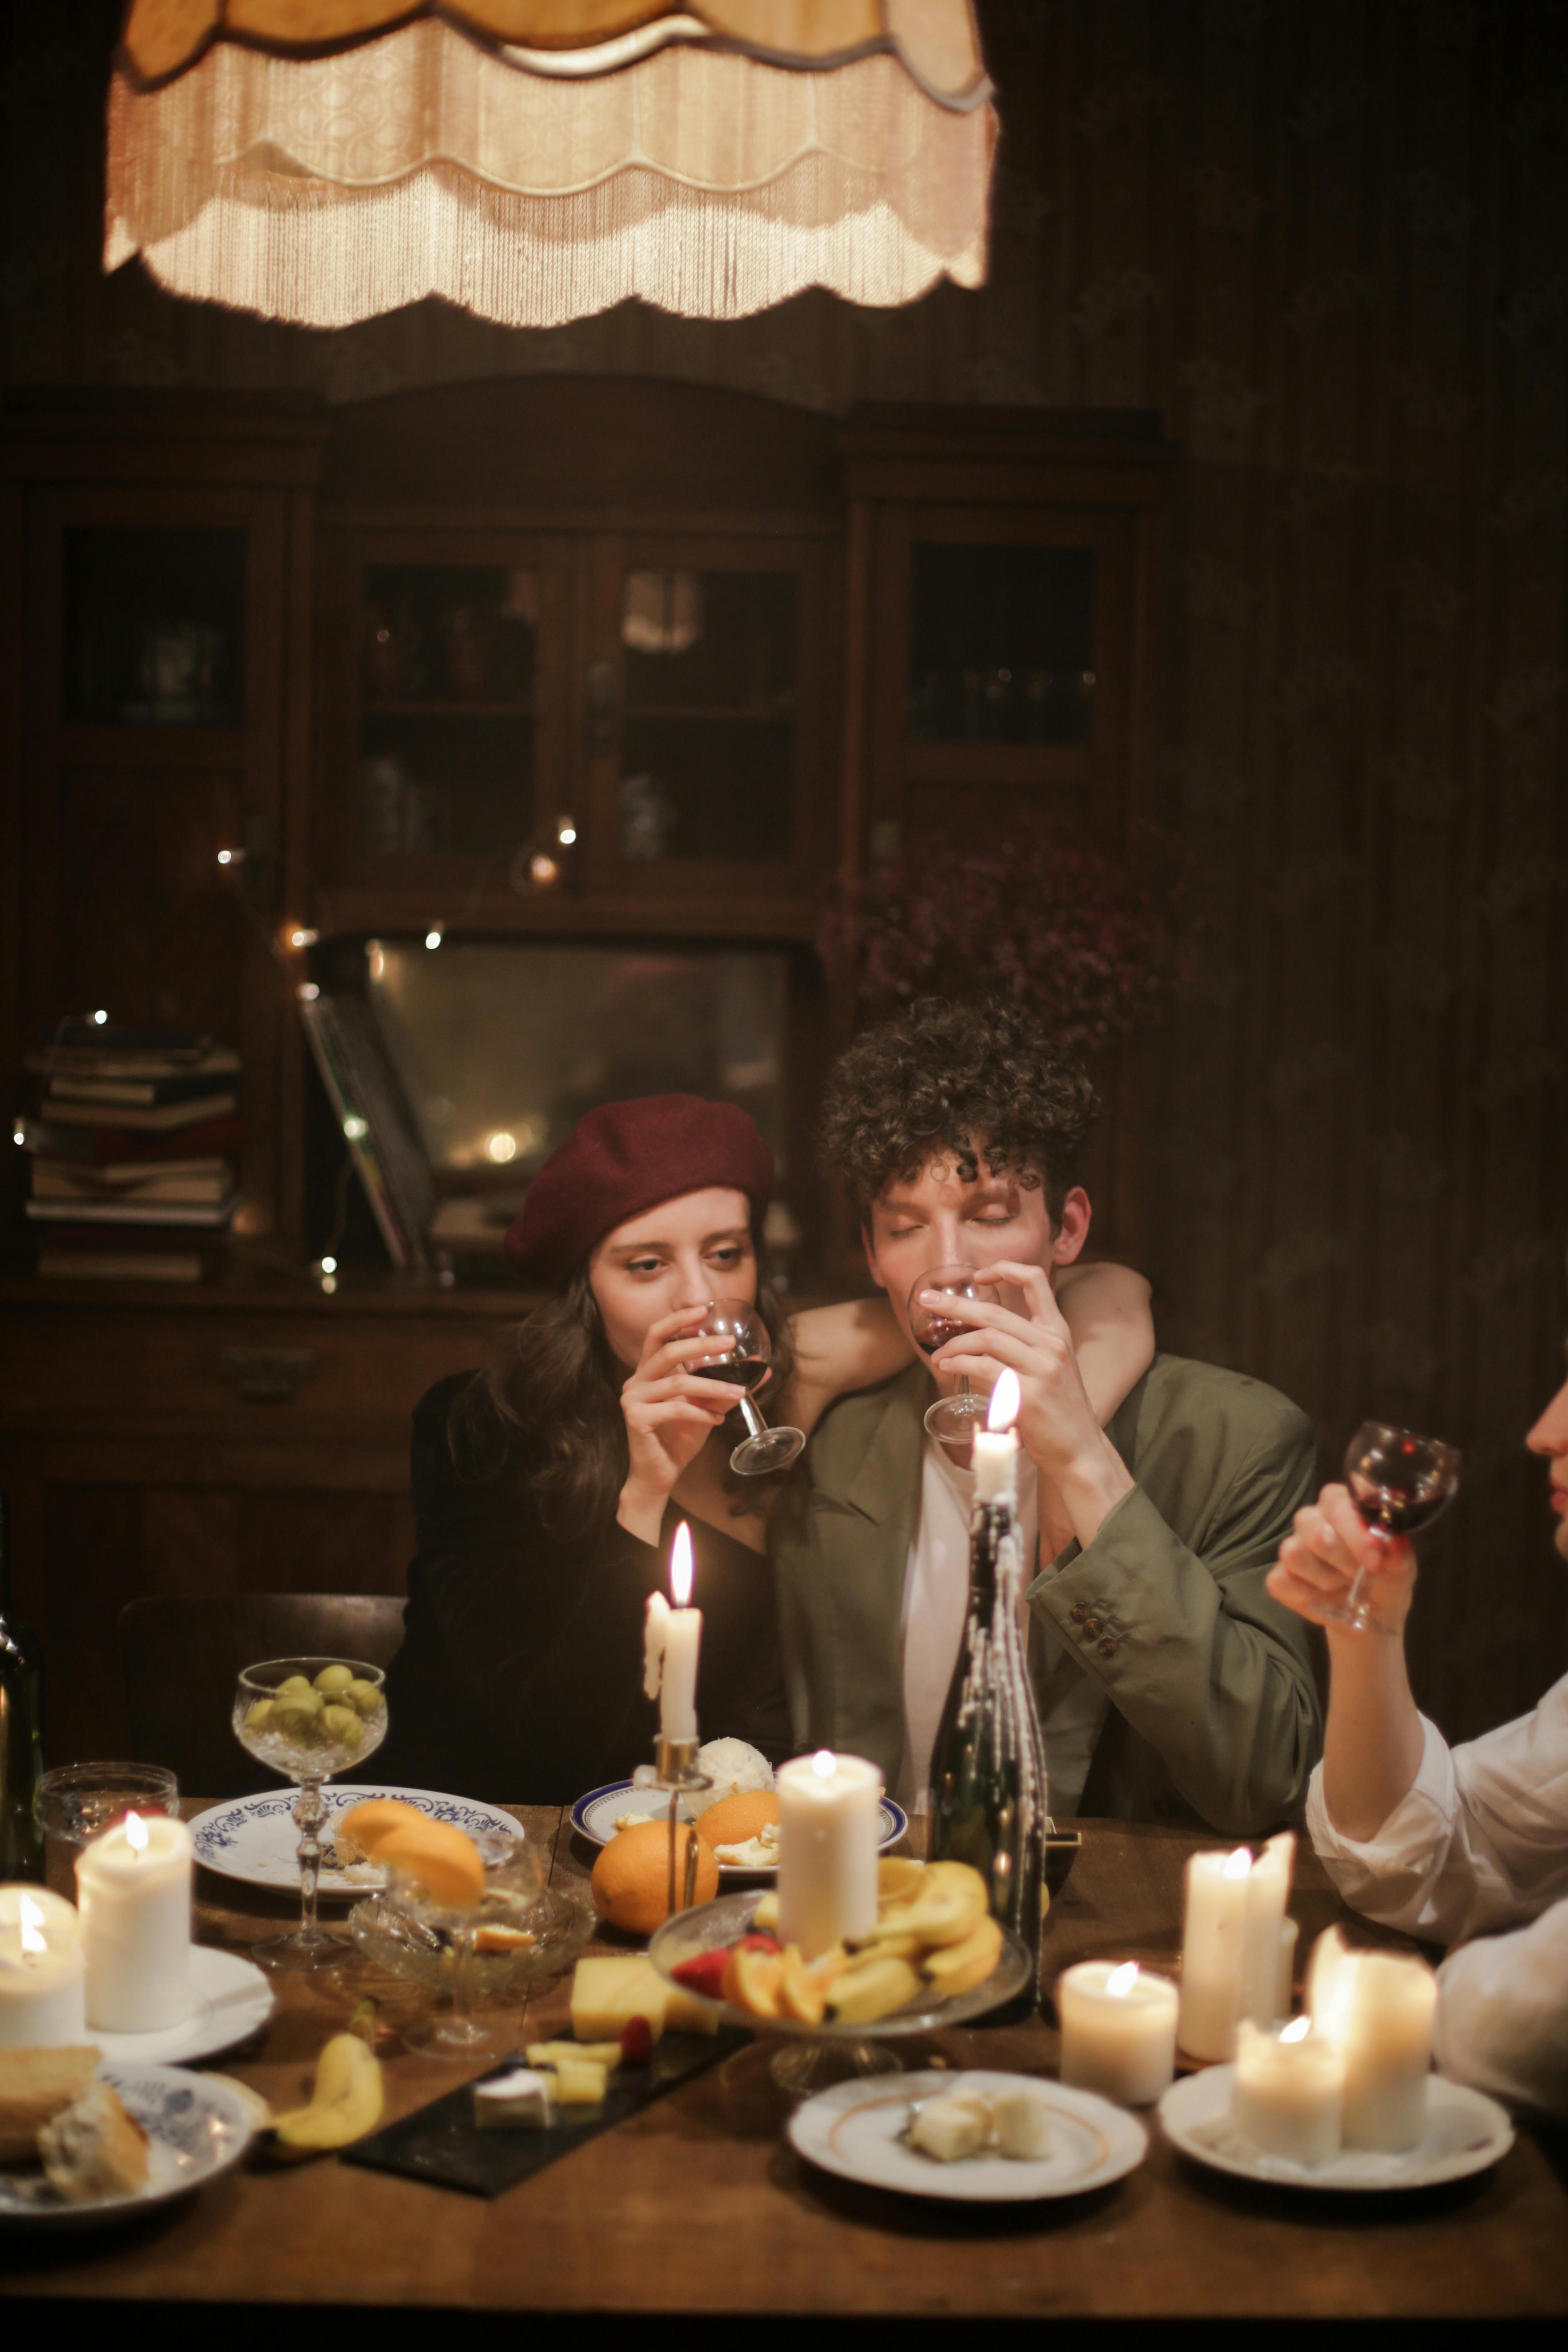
column 519, row 1678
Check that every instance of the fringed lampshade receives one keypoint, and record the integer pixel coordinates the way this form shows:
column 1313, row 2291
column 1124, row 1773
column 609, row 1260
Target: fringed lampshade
column 535, row 161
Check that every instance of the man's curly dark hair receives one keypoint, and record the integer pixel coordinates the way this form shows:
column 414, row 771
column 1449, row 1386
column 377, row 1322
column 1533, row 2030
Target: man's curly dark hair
column 944, row 1076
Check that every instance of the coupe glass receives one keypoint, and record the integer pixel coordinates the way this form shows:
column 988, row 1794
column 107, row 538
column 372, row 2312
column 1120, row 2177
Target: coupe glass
column 501, row 1919
column 1399, row 1482
column 747, row 1354
column 308, row 1718
column 952, row 1419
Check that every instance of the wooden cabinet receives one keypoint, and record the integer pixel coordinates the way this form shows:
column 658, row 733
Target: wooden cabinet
column 282, row 682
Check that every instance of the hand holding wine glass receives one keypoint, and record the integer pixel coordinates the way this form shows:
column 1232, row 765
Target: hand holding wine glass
column 1398, row 1482
column 742, row 1356
column 936, row 1315
column 1349, row 1561
column 670, row 1413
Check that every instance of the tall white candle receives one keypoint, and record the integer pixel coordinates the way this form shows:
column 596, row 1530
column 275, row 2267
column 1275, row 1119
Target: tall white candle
column 1378, row 2009
column 1230, row 1944
column 995, row 1460
column 672, row 1641
column 1287, row 2091
column 41, row 1971
column 133, row 1890
column 829, row 1819
column 1119, row 2031
column 1285, row 1983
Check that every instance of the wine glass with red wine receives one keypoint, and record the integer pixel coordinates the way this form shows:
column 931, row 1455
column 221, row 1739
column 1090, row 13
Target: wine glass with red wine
column 1399, row 1482
column 952, row 1419
column 745, row 1357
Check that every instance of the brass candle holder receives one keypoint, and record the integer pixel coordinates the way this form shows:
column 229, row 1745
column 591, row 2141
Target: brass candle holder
column 674, row 1768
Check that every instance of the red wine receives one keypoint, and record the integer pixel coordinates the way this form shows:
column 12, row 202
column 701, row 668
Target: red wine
column 741, row 1371
column 1401, row 1509
column 939, row 1331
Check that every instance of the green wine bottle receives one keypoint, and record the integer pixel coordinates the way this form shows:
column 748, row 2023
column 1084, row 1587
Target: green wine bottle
column 988, row 1765
column 21, row 1744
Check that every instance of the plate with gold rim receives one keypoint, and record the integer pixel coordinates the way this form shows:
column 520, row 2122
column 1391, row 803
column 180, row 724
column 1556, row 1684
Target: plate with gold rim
column 1466, row 2132
column 598, row 1815
column 858, row 2130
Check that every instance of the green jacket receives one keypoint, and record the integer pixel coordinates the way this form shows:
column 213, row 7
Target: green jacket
column 1215, row 1714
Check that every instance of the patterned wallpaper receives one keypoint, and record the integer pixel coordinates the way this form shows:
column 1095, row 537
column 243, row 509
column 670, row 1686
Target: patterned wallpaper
column 1329, row 240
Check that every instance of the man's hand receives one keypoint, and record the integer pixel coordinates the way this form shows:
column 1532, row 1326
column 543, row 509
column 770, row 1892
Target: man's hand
column 1056, row 1424
column 1319, row 1563
column 671, row 1413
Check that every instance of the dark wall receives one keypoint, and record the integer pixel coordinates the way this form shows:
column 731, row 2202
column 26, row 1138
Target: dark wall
column 1327, row 239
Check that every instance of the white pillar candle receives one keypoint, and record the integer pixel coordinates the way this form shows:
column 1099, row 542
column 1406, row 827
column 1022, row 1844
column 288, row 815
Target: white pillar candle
column 1285, row 1983
column 1286, row 2098
column 133, row 1890
column 1230, row 1944
column 995, row 1460
column 829, row 1822
column 1119, row 2031
column 41, row 1971
column 672, row 1639
column 1378, row 2009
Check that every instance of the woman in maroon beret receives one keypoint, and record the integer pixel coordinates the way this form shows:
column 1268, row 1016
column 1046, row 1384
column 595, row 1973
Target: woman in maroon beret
column 546, row 1490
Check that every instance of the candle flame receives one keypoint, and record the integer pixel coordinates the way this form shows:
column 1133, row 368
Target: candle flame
column 1298, row 2031
column 32, row 1925
column 1237, row 1864
column 680, row 1566
column 1003, row 1409
column 1120, row 1981
column 136, row 1833
column 824, row 1763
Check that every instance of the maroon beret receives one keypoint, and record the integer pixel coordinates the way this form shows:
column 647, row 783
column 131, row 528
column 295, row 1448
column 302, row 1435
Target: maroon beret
column 626, row 1157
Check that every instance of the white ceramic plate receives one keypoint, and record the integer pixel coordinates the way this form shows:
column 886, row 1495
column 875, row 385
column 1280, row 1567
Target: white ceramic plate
column 856, row 2129
column 595, row 1817
column 1466, row 2132
column 198, row 2128
column 254, row 1839
column 230, row 1998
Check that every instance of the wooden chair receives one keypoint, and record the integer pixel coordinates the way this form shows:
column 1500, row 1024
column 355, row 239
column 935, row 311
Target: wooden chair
column 179, row 1657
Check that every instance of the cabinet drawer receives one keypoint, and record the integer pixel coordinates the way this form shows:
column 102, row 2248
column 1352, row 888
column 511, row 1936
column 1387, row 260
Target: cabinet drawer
column 116, row 1373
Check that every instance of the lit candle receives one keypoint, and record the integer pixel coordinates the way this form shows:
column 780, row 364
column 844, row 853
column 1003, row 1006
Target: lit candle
column 41, row 1971
column 829, row 1820
column 1230, row 1944
column 671, row 1640
column 996, row 1456
column 1378, row 2009
column 1285, row 1983
column 1119, row 2031
column 1286, row 2098
column 133, row 1888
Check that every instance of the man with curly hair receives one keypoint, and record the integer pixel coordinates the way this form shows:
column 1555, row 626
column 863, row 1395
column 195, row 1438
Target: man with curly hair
column 1172, row 1685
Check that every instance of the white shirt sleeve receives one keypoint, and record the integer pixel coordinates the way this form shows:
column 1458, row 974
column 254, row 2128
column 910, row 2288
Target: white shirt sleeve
column 1480, row 1843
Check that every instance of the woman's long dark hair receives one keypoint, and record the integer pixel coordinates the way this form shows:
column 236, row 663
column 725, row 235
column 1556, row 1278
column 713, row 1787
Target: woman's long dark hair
column 552, row 1394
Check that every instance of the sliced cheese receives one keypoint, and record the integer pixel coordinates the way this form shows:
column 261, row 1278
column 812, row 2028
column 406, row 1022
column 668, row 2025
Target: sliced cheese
column 610, row 1989
column 597, row 2054
column 580, row 2084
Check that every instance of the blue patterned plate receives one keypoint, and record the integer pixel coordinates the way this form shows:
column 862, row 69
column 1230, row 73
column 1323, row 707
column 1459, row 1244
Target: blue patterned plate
column 595, row 1817
column 254, row 1839
column 198, row 2130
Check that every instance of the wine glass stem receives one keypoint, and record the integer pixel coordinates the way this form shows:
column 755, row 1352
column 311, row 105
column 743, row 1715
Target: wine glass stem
column 754, row 1420
column 462, row 1976
column 309, row 1813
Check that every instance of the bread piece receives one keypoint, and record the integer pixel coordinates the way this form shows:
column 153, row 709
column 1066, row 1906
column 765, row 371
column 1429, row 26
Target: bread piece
column 35, row 2085
column 94, row 2148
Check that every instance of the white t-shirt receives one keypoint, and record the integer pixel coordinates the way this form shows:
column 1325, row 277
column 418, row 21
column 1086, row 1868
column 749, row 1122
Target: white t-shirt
column 936, row 1601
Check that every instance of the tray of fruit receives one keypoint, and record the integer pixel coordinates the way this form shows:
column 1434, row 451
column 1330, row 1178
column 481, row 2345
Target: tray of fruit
column 935, row 1958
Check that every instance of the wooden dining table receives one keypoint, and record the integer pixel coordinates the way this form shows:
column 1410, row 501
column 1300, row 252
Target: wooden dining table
column 699, row 2203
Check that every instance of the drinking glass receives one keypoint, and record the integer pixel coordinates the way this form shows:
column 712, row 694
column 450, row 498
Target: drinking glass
column 1399, row 1482
column 952, row 1419
column 308, row 1718
column 75, row 1804
column 513, row 1879
column 747, row 1354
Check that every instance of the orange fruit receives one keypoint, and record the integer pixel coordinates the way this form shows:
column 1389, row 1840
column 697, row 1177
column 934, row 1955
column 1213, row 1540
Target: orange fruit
column 365, row 1824
column 631, row 1877
column 443, row 1860
column 735, row 1819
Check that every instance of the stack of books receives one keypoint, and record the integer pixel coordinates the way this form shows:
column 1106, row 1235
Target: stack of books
column 133, row 1148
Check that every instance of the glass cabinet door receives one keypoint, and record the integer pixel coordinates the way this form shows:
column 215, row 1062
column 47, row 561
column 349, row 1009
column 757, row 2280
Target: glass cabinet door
column 711, row 670
column 1001, row 643
column 448, row 753
column 154, row 627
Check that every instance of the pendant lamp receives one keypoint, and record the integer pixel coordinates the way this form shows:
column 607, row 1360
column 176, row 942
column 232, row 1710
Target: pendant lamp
column 536, row 161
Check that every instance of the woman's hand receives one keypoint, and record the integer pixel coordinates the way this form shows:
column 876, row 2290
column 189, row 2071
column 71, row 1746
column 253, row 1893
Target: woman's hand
column 671, row 1413
column 1319, row 1563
